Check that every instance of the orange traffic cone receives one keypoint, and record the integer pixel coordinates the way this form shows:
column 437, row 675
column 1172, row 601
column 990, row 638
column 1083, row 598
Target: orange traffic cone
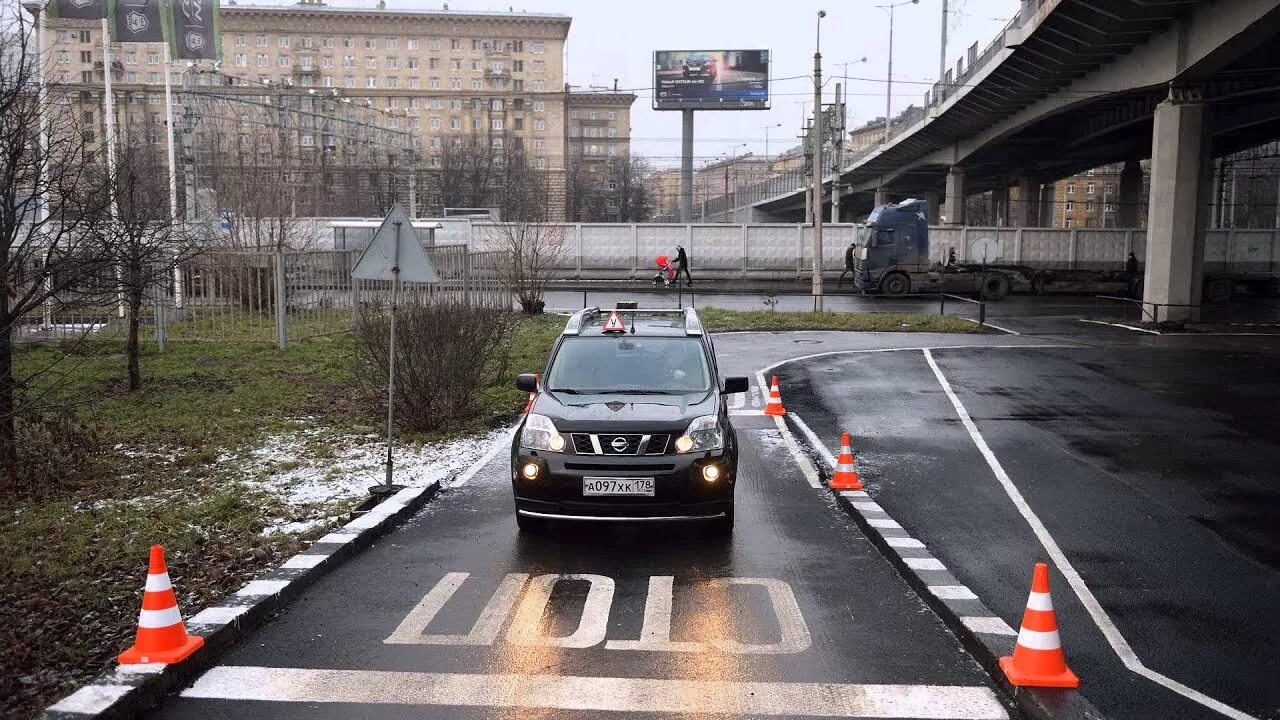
column 162, row 638
column 774, row 405
column 1037, row 659
column 846, row 478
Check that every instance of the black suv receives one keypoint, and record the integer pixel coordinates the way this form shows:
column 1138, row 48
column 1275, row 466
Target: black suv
column 628, row 423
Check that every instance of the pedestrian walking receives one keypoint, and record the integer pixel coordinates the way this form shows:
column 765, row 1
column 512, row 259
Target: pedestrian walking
column 1131, row 273
column 682, row 265
column 848, row 264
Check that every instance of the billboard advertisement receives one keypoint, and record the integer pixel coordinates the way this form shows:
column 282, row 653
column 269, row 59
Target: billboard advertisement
column 711, row 80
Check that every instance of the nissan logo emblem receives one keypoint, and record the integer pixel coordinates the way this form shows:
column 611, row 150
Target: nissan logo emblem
column 618, row 444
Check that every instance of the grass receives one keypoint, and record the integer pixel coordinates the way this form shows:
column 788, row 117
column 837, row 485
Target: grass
column 717, row 320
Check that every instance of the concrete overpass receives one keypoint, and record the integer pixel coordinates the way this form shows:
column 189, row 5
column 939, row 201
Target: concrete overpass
column 1073, row 84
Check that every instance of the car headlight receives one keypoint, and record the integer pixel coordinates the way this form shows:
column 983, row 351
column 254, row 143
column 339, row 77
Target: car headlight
column 540, row 434
column 704, row 433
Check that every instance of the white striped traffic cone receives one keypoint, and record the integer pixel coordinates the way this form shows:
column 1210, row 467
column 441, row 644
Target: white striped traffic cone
column 845, row 478
column 1037, row 659
column 162, row 638
column 774, row 405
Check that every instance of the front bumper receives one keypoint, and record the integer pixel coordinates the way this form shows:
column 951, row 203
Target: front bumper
column 680, row 492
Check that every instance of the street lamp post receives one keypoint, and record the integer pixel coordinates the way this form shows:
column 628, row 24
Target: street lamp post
column 766, row 129
column 888, row 88
column 815, row 138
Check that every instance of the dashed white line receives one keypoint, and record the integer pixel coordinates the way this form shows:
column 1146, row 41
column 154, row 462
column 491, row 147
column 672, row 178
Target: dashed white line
column 502, row 442
column 1082, row 591
column 597, row 694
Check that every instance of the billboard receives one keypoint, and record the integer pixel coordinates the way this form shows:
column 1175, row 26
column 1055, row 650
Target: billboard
column 711, row 80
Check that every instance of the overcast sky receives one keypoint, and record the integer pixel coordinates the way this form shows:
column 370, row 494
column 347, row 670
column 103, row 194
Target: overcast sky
column 615, row 38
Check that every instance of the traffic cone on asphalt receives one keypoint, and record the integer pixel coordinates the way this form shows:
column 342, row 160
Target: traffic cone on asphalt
column 774, row 405
column 1037, row 659
column 162, row 638
column 846, row 478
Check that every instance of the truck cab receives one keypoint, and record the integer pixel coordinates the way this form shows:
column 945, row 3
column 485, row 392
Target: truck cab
column 893, row 248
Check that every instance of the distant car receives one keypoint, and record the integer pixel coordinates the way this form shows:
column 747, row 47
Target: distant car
column 629, row 423
column 700, row 66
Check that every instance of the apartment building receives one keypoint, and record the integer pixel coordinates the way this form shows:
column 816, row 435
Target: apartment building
column 1088, row 199
column 439, row 72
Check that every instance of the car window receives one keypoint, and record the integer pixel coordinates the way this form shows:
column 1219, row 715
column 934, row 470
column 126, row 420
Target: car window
column 628, row 363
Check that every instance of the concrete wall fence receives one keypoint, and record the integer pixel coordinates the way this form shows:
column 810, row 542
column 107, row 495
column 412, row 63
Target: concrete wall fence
column 609, row 251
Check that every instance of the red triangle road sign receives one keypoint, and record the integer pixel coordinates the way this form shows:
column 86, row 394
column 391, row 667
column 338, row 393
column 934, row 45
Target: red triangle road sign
column 614, row 323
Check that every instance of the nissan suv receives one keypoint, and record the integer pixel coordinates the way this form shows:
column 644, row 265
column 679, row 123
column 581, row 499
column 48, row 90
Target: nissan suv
column 627, row 423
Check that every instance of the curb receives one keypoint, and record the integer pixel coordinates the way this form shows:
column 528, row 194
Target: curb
column 127, row 690
column 983, row 633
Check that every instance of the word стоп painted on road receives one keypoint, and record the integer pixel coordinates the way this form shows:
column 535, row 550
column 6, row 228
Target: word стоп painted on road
column 655, row 634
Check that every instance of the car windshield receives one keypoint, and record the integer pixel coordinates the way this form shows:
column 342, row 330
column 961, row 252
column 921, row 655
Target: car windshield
column 629, row 364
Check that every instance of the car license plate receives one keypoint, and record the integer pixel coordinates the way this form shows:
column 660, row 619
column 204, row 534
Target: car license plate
column 595, row 486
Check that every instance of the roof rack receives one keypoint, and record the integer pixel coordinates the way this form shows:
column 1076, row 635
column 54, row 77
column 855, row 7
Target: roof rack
column 692, row 323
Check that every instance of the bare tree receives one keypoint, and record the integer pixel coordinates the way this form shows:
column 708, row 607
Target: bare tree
column 614, row 189
column 534, row 247
column 50, row 206
column 146, row 242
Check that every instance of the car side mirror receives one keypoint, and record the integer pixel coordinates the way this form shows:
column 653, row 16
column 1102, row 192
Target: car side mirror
column 735, row 384
column 528, row 382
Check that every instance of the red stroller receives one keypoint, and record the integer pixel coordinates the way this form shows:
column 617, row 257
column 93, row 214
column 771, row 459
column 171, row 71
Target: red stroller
column 666, row 273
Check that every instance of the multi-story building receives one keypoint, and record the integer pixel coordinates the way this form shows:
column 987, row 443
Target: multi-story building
column 597, row 125
column 1088, row 199
column 440, row 72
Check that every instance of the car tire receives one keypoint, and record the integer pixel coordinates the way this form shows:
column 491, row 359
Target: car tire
column 996, row 287
column 530, row 525
column 896, row 284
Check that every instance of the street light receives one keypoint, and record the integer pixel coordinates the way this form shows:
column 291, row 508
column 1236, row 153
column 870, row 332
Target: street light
column 888, row 88
column 766, row 129
column 815, row 140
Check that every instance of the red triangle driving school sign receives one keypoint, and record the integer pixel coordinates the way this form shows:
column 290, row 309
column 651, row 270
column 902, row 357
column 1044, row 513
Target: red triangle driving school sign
column 614, row 324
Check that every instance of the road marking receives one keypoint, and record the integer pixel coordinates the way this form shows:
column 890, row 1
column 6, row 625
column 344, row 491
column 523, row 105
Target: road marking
column 655, row 634
column 1082, row 591
column 1121, row 325
column 527, row 624
column 502, row 442
column 737, row 400
column 91, row 699
column 883, row 523
column 814, row 442
column 952, row 592
column 599, row 694
column 412, row 629
column 924, row 563
column 987, row 324
column 806, row 467
column 903, row 542
column 795, row 633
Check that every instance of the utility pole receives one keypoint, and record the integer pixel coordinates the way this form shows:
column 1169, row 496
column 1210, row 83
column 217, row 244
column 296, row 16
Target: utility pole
column 942, row 55
column 817, row 167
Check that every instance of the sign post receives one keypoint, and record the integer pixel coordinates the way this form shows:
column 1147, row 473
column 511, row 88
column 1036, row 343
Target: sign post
column 394, row 254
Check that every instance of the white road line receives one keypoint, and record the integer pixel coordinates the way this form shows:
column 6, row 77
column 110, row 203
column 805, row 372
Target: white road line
column 801, row 459
column 598, row 694
column 817, row 444
column 1099, row 615
column 800, row 358
column 997, row 327
column 1121, row 325
column 477, row 466
column 737, row 400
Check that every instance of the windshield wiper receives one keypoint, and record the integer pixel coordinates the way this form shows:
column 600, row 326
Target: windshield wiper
column 567, row 391
column 636, row 392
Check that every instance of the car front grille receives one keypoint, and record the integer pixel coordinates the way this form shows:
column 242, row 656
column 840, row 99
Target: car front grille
column 619, row 444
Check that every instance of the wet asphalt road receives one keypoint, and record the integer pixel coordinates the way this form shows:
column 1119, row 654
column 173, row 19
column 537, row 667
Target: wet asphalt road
column 853, row 622
column 1153, row 467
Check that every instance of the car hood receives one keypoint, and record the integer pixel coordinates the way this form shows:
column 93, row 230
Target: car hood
column 616, row 412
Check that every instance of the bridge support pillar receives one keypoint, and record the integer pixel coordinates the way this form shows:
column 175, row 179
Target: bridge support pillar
column 954, row 211
column 1027, row 213
column 934, row 211
column 1130, row 195
column 1000, row 205
column 1177, row 212
column 1048, row 206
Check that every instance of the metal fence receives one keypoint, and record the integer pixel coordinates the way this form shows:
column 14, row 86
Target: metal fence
column 267, row 297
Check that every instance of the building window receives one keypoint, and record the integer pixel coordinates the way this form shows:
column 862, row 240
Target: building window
column 348, row 61
column 539, row 65
column 283, row 41
column 613, row 149
column 455, row 44
column 370, row 44
column 434, row 123
column 477, row 104
column 393, row 82
column 539, row 124
column 519, row 123
column 433, row 44
column 517, row 85
column 153, row 58
column 326, row 42
column 328, row 81
column 477, row 84
column 393, row 63
column 539, row 143
column 455, row 64
column 1108, row 189
column 517, row 66
column 573, row 114
column 326, row 61
column 575, row 131
column 392, row 43
column 413, row 83
column 1090, row 173
column 415, row 103
column 497, row 143
column 455, row 83
column 1108, row 208
column 475, row 46
column 305, row 41
column 308, row 141
column 1071, row 188
column 393, row 103
column 497, row 123
column 497, row 66
column 476, row 123
column 371, row 81
column 371, row 63
column 131, row 77
column 153, row 77
column 477, row 65
column 1090, row 188
column 241, row 41
column 283, row 61
column 348, row 42
column 455, row 103
column 261, row 41
column 349, row 81
column 455, row 123
column 613, row 115
column 242, row 60
column 538, row 47
column 433, row 83
column 613, row 132
column 1088, row 206
column 434, row 103
column 496, row 104
column 411, row 44
column 1071, row 206
column 539, row 105
column 262, row 60
column 305, row 62
column 593, row 115
column 537, row 86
